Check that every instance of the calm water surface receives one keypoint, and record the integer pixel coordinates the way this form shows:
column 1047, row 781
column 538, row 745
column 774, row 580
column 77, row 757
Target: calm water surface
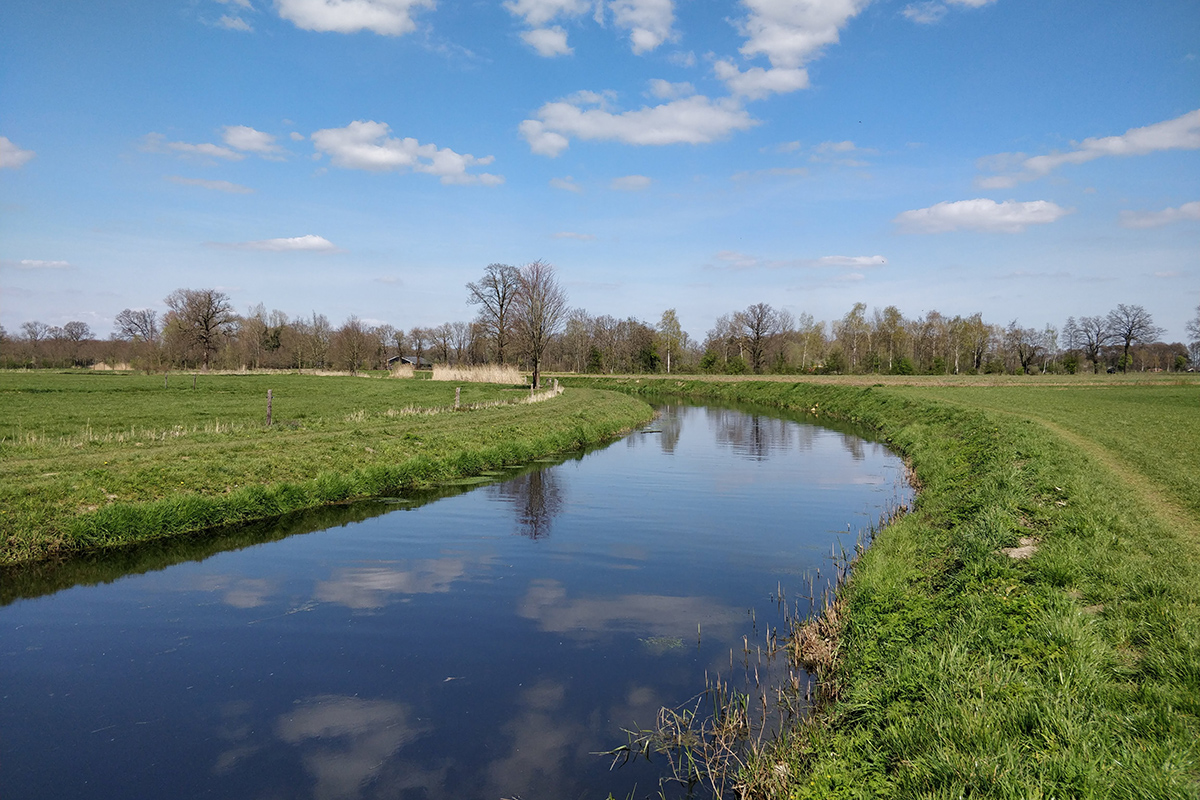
column 482, row 645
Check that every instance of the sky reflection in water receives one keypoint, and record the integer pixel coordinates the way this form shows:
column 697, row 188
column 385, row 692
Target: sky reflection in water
column 483, row 645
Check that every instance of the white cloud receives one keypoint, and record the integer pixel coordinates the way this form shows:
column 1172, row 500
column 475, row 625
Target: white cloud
column 234, row 23
column 157, row 143
column 691, row 120
column 1155, row 219
column 296, row 137
column 548, row 42
column 757, row 83
column 12, row 156
column 567, row 184
column 218, row 186
column 309, row 243
column 1181, row 133
column 648, row 22
column 792, row 32
column 681, row 59
column 385, row 17
column 537, row 13
column 980, row 215
column 367, row 146
column 241, row 137
column 665, row 90
column 773, row 172
column 927, row 13
column 35, row 263
column 239, row 3
column 582, row 237
column 630, row 183
column 741, row 261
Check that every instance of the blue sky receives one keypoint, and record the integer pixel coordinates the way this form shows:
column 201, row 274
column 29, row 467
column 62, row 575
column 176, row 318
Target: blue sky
column 1028, row 159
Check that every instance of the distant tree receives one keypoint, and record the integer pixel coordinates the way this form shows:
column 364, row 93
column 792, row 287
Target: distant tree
column 443, row 341
column 1091, row 335
column 853, row 333
column 1130, row 324
column 755, row 326
column 352, row 345
column 136, row 325
column 418, row 338
column 670, row 334
column 540, row 307
column 1193, row 329
column 202, row 317
column 1024, row 345
column 495, row 294
column 461, row 334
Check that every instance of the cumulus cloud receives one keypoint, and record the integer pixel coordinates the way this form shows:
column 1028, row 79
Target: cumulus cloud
column 242, row 137
column 1156, row 219
column 690, row 120
column 385, row 17
column 12, row 156
column 366, row 145
column 630, row 183
column 740, row 261
column 1181, row 133
column 648, row 22
column 548, row 42
column 566, row 184
column 980, row 215
column 157, row 143
column 790, row 33
column 757, row 83
column 582, row 237
column 309, row 243
column 216, row 186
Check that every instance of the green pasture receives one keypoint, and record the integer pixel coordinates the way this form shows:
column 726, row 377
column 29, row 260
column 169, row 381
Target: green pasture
column 90, row 461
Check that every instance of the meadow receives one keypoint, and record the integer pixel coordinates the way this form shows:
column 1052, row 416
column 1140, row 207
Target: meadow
column 95, row 460
column 1031, row 628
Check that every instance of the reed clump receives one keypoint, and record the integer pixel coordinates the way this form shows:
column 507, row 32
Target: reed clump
column 481, row 373
column 404, row 371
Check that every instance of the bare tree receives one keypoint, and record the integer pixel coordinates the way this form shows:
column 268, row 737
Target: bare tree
column 139, row 325
column 418, row 337
column 1130, row 324
column 756, row 325
column 352, row 344
column 1091, row 335
column 1193, row 329
column 204, row 317
column 443, row 340
column 461, row 333
column 541, row 305
column 495, row 293
column 670, row 333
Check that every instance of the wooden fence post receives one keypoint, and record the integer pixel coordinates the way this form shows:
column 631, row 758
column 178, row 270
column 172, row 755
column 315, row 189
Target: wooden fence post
column 457, row 396
column 268, row 408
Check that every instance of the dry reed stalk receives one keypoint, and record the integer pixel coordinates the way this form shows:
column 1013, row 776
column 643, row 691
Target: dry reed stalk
column 485, row 373
column 404, row 371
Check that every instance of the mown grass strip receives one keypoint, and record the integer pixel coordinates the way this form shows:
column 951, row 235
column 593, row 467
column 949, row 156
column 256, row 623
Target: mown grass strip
column 58, row 499
column 963, row 672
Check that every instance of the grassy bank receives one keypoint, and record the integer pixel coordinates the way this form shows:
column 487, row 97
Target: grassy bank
column 964, row 672
column 91, row 461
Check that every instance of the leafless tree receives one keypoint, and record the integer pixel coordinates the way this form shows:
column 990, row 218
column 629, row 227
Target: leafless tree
column 541, row 305
column 352, row 345
column 495, row 293
column 1193, row 329
column 461, row 334
column 756, row 326
column 136, row 325
column 418, row 337
column 1091, row 335
column 203, row 317
column 1130, row 324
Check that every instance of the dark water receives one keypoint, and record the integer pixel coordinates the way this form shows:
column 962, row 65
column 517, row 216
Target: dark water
column 482, row 645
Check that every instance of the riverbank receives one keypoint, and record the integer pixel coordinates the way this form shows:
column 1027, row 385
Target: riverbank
column 1032, row 627
column 96, row 461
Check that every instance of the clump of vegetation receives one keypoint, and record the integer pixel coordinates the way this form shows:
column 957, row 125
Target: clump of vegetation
column 507, row 375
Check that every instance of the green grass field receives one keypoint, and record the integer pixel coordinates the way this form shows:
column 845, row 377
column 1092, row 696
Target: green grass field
column 90, row 461
column 964, row 672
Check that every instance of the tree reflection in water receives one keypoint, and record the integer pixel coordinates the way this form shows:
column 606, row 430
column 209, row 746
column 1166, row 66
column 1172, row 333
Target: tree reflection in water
column 537, row 497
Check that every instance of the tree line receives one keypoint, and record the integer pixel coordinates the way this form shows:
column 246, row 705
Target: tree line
column 523, row 318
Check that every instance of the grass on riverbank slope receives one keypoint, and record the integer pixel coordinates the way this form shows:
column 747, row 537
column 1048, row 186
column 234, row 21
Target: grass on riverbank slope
column 964, row 672
column 93, row 461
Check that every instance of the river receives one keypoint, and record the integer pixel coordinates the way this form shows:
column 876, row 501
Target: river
column 484, row 642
